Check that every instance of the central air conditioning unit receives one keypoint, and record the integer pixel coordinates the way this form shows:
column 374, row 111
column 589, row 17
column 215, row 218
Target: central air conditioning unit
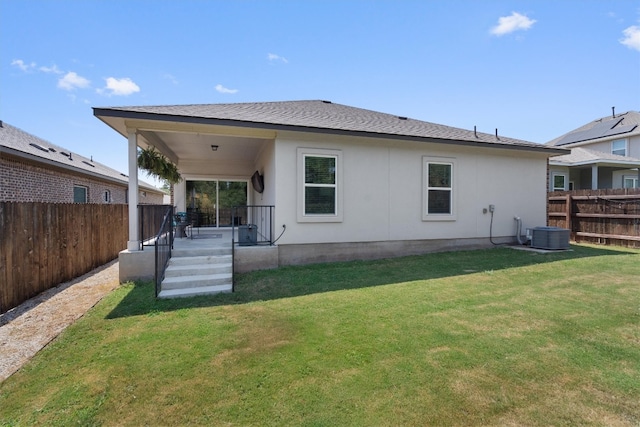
column 553, row 238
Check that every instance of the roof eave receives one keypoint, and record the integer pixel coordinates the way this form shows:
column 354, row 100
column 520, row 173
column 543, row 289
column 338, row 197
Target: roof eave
column 37, row 159
column 136, row 115
column 601, row 162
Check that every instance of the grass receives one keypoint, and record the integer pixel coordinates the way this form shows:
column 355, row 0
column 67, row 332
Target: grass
column 490, row 337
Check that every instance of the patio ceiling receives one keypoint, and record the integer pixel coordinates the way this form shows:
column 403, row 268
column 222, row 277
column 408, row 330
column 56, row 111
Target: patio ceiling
column 187, row 143
column 187, row 147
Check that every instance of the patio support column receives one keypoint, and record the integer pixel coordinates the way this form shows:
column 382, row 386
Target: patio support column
column 594, row 177
column 133, row 244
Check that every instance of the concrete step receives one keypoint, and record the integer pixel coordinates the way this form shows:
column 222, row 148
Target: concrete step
column 195, row 252
column 199, row 260
column 183, row 270
column 191, row 292
column 195, row 281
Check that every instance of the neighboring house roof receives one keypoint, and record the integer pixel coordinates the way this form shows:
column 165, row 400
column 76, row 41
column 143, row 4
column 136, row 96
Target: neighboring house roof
column 584, row 156
column 313, row 116
column 19, row 143
column 610, row 127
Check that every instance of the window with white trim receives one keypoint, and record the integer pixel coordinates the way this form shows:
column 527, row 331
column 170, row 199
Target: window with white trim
column 106, row 196
column 619, row 147
column 629, row 182
column 559, row 181
column 319, row 183
column 438, row 189
column 79, row 194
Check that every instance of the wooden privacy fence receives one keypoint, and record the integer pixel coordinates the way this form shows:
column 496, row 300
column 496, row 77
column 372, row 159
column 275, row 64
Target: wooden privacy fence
column 44, row 244
column 598, row 216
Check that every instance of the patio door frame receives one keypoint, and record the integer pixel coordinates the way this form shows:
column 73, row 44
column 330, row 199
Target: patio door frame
column 217, row 198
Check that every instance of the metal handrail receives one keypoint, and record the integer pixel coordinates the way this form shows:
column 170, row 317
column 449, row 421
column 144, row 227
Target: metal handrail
column 163, row 245
column 256, row 227
column 150, row 218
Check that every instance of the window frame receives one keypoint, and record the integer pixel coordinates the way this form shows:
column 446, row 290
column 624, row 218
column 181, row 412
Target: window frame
column 625, row 149
column 426, row 215
column 106, row 196
column 634, row 181
column 565, row 178
column 303, row 154
column 86, row 193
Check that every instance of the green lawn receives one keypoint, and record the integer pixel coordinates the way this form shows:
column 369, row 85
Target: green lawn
column 490, row 337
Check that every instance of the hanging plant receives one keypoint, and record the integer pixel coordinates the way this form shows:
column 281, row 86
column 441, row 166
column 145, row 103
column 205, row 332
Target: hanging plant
column 155, row 163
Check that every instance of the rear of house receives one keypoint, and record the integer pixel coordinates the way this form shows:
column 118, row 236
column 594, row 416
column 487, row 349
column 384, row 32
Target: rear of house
column 347, row 183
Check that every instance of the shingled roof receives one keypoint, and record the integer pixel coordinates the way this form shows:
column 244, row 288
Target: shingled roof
column 16, row 142
column 605, row 128
column 316, row 116
column 584, row 156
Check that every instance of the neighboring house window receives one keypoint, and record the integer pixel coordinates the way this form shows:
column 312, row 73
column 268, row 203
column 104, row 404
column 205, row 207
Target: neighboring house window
column 106, row 197
column 79, row 194
column 319, row 175
column 438, row 188
column 630, row 182
column 559, row 182
column 619, row 147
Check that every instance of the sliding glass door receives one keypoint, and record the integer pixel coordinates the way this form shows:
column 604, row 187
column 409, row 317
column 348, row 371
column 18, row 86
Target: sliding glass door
column 211, row 202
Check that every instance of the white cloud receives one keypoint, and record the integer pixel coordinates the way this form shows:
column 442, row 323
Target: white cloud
column 121, row 87
column 23, row 65
column 72, row 81
column 223, row 89
column 170, row 77
column 631, row 38
column 511, row 23
column 53, row 69
column 273, row 57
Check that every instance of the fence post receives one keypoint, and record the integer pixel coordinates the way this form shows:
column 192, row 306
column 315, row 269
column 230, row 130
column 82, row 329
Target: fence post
column 568, row 211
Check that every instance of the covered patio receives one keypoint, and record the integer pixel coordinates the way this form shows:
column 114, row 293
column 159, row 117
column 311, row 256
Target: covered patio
column 216, row 162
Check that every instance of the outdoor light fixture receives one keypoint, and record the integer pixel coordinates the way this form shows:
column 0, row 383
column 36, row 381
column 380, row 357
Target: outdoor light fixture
column 214, row 148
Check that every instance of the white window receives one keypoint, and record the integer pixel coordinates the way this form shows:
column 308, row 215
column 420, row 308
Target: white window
column 79, row 194
column 319, row 185
column 629, row 182
column 619, row 147
column 438, row 188
column 559, row 181
column 106, row 196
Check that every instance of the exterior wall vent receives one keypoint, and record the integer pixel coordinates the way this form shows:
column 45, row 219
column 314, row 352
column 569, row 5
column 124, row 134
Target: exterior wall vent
column 553, row 238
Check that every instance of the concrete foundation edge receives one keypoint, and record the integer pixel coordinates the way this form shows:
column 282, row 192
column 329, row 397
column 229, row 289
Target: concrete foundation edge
column 136, row 265
column 252, row 258
column 336, row 252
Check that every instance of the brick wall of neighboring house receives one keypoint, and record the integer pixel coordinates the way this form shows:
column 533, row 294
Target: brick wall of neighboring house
column 22, row 181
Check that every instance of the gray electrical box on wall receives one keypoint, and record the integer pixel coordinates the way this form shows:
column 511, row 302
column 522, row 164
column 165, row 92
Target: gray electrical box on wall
column 553, row 238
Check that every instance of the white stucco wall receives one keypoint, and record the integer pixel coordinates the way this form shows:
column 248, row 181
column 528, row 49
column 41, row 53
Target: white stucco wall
column 383, row 194
column 265, row 164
